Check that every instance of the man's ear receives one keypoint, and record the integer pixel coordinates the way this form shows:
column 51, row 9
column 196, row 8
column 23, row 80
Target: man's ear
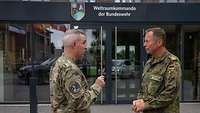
column 74, row 44
column 160, row 42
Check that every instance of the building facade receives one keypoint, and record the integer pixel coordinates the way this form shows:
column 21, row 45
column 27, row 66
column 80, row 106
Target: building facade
column 31, row 40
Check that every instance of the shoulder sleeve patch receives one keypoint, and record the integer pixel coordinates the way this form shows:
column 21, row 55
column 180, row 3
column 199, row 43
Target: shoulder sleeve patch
column 74, row 87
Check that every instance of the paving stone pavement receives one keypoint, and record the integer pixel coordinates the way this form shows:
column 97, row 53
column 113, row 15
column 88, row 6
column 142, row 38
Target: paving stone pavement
column 111, row 108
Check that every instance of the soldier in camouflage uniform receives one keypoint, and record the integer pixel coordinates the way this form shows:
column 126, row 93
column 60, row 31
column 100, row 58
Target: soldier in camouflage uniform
column 69, row 91
column 160, row 86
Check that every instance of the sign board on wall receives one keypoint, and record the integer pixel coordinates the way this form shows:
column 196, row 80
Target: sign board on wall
column 98, row 12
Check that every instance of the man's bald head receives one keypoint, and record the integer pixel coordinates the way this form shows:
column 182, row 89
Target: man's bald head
column 71, row 37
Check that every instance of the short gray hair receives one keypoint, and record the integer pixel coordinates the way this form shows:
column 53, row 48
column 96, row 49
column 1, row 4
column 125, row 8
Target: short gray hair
column 158, row 33
column 71, row 36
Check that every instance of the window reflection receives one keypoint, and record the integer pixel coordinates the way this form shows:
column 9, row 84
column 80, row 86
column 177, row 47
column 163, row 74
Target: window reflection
column 191, row 73
column 18, row 42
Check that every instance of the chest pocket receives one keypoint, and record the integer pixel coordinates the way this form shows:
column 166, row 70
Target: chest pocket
column 154, row 84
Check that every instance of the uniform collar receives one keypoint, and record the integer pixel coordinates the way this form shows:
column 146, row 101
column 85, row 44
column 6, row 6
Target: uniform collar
column 154, row 60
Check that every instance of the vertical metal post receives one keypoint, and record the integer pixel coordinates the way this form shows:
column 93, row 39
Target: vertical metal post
column 182, row 61
column 101, row 36
column 33, row 78
column 108, row 59
column 116, row 86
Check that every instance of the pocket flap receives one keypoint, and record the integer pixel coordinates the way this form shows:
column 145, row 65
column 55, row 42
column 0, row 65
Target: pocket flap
column 156, row 78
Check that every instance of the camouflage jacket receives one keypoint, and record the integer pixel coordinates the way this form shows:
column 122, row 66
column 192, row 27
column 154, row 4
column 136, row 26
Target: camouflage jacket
column 69, row 91
column 161, row 84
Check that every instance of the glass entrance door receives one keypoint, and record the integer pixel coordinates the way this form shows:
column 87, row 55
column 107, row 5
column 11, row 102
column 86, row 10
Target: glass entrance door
column 125, row 63
column 93, row 63
column 119, row 60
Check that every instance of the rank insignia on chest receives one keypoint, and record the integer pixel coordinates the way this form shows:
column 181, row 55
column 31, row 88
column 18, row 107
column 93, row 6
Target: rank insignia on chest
column 74, row 87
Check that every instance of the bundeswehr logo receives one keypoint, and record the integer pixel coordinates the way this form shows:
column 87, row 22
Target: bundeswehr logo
column 78, row 10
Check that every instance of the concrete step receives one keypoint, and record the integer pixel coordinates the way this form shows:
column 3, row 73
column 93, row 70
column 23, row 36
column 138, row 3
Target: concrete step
column 97, row 108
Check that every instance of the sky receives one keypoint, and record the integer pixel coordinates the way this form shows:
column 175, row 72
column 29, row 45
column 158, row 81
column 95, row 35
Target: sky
column 57, row 38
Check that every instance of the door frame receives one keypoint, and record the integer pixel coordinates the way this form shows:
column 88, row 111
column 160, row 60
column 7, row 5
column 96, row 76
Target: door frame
column 108, row 27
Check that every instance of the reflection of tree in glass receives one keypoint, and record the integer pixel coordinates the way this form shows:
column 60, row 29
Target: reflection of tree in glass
column 132, row 56
column 52, row 48
column 92, row 51
column 121, row 54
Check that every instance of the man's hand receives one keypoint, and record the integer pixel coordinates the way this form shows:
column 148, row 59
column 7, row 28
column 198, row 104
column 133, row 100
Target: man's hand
column 100, row 81
column 133, row 106
column 138, row 105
